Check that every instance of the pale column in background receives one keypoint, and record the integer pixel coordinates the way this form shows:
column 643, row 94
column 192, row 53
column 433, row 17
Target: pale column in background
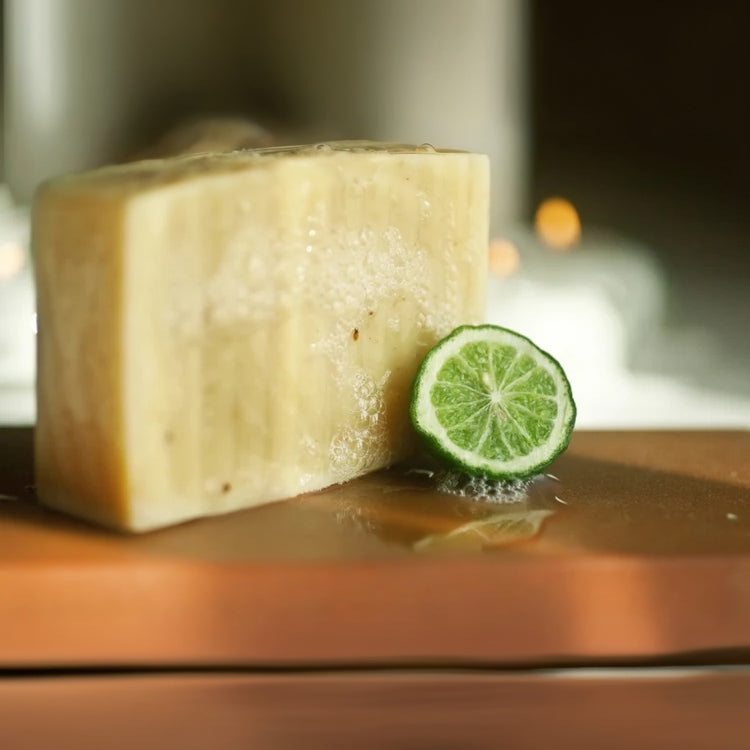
column 65, row 92
column 87, row 80
column 449, row 72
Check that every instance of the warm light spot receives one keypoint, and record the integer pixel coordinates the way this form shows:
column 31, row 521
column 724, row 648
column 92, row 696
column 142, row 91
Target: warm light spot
column 11, row 259
column 504, row 259
column 557, row 224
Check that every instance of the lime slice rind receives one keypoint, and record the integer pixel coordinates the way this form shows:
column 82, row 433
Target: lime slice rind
column 509, row 417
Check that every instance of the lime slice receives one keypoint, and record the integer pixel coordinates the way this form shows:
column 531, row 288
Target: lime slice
column 490, row 403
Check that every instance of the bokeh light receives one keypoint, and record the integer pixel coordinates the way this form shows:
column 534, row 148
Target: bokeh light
column 12, row 258
column 504, row 258
column 557, row 224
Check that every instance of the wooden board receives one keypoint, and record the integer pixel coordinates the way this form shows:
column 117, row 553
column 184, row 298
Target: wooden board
column 639, row 550
column 674, row 709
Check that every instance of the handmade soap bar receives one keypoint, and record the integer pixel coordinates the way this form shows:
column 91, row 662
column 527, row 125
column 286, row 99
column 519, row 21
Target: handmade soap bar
column 225, row 330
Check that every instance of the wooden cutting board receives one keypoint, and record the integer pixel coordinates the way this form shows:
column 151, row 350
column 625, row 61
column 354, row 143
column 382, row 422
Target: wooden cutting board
column 638, row 550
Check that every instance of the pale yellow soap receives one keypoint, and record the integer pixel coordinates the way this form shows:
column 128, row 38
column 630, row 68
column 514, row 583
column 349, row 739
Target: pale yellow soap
column 221, row 331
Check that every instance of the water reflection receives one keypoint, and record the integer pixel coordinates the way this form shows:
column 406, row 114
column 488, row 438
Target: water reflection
column 488, row 533
column 465, row 514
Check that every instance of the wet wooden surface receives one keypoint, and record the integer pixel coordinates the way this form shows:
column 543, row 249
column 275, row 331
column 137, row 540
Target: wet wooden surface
column 638, row 549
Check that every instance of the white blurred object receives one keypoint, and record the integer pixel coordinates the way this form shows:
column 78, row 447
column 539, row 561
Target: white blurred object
column 630, row 400
column 595, row 307
column 17, row 316
column 591, row 307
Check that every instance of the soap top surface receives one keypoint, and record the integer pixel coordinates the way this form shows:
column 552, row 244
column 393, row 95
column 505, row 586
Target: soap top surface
column 157, row 173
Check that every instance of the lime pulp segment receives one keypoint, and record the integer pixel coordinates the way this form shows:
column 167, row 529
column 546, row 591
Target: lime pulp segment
column 491, row 403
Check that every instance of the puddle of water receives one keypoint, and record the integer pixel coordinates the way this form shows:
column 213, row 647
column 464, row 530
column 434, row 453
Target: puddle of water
column 429, row 509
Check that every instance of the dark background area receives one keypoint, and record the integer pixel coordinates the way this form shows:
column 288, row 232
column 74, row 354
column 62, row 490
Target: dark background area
column 641, row 118
column 665, row 83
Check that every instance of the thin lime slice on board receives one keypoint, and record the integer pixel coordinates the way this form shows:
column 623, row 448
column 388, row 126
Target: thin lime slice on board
column 490, row 403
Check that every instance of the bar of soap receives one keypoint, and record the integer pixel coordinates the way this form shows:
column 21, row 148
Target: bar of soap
column 224, row 330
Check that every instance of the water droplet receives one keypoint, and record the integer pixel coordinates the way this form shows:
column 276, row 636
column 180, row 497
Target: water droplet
column 323, row 147
column 732, row 516
column 308, row 248
column 429, row 473
column 426, row 148
column 311, row 233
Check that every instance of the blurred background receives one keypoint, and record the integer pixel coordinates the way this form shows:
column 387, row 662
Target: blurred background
column 618, row 133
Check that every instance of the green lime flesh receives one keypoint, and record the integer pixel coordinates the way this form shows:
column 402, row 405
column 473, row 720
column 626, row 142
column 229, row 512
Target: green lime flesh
column 490, row 403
